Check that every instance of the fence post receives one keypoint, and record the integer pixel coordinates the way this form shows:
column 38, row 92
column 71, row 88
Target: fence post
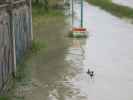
column 29, row 2
column 31, row 19
column 10, row 9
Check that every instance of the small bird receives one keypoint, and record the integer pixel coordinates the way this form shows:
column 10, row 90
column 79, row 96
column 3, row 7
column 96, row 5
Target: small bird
column 91, row 73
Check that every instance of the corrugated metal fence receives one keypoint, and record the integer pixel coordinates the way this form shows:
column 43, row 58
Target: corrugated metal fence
column 15, row 36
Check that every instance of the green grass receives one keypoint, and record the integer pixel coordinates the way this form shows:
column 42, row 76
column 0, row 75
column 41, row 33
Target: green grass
column 38, row 46
column 115, row 9
column 40, row 11
column 4, row 98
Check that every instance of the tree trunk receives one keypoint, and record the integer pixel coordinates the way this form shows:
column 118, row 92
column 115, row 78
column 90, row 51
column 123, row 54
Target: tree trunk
column 37, row 2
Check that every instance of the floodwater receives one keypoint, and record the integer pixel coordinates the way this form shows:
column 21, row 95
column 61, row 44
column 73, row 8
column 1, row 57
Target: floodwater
column 128, row 3
column 108, row 51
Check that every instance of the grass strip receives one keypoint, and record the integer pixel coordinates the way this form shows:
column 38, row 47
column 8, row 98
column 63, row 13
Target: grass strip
column 115, row 9
column 40, row 11
column 4, row 98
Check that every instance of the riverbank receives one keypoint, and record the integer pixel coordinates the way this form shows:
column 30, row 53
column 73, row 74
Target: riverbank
column 128, row 3
column 115, row 9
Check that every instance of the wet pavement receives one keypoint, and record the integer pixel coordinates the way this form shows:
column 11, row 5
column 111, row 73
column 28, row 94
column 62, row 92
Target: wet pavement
column 128, row 3
column 108, row 51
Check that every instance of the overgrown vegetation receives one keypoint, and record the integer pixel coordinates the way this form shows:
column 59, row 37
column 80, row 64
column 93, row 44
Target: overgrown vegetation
column 37, row 11
column 42, row 3
column 115, row 9
column 4, row 98
column 46, row 4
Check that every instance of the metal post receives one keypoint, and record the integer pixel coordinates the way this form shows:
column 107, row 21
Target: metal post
column 81, row 24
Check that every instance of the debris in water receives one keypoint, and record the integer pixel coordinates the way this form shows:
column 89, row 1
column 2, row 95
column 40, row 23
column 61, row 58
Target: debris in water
column 78, row 33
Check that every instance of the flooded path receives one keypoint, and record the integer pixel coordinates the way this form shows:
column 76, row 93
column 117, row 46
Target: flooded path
column 108, row 52
column 60, row 74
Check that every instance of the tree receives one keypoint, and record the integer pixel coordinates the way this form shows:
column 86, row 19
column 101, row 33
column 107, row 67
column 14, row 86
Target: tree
column 43, row 3
column 46, row 5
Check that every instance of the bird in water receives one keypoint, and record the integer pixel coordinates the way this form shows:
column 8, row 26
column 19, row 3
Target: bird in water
column 91, row 73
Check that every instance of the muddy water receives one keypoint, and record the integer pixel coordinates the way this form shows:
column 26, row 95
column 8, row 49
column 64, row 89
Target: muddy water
column 60, row 74
column 128, row 3
column 108, row 52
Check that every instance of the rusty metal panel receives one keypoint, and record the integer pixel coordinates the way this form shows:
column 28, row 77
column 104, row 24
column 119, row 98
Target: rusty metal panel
column 15, row 36
column 22, row 30
column 5, row 48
